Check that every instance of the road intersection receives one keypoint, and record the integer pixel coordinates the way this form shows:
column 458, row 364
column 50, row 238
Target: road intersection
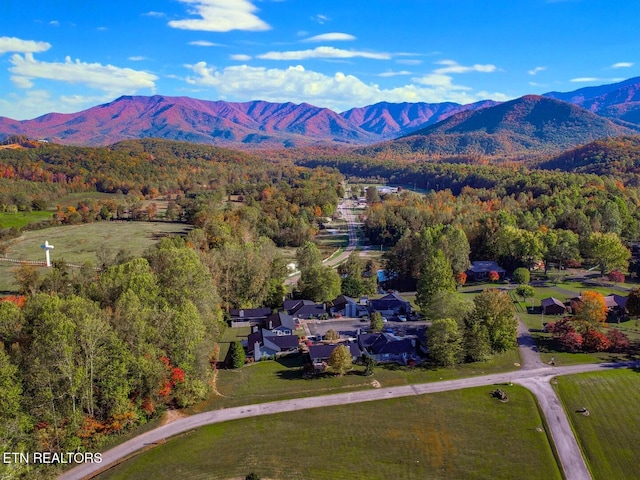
column 536, row 377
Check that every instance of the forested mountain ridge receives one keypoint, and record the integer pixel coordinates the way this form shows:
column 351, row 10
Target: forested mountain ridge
column 618, row 100
column 192, row 120
column 531, row 124
column 607, row 156
column 392, row 119
column 264, row 125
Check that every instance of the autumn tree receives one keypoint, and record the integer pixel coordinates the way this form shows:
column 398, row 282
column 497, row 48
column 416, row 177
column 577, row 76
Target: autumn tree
column 590, row 311
column 375, row 322
column 608, row 252
column 633, row 302
column 444, row 342
column 493, row 312
column 354, row 283
column 525, row 291
column 340, row 360
column 331, row 335
column 436, row 277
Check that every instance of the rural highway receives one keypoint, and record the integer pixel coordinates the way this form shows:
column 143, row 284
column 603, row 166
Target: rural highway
column 346, row 212
column 537, row 379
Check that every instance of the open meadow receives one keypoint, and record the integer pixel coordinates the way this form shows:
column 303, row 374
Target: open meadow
column 452, row 435
column 609, row 436
column 78, row 244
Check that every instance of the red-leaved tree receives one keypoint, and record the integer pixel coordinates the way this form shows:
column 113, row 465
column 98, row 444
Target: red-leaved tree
column 595, row 341
column 615, row 276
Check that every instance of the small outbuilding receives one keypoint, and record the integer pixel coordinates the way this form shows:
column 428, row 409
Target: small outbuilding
column 552, row 306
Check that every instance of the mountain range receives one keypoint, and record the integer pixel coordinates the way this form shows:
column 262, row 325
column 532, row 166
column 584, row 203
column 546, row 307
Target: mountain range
column 531, row 123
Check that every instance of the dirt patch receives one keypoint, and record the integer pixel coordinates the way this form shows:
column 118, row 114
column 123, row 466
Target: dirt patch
column 171, row 416
column 375, row 384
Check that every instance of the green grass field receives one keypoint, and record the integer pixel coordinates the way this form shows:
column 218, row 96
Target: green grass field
column 610, row 435
column 283, row 379
column 79, row 243
column 22, row 219
column 452, row 435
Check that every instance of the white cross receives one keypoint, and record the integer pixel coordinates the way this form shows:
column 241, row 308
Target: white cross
column 47, row 248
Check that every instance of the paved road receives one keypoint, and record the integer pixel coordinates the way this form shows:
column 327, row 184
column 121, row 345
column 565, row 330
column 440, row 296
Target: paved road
column 535, row 378
column 347, row 214
column 571, row 459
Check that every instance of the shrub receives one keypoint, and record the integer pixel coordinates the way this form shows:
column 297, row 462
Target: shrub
column 595, row 341
column 494, row 276
column 615, row 276
column 237, row 354
column 521, row 275
column 619, row 342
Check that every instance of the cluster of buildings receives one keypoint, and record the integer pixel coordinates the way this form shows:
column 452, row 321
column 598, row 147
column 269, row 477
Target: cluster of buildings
column 273, row 333
column 616, row 305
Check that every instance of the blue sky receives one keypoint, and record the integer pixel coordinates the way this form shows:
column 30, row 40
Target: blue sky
column 67, row 55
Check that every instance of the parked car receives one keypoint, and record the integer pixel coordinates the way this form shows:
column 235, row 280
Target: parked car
column 402, row 318
column 384, row 320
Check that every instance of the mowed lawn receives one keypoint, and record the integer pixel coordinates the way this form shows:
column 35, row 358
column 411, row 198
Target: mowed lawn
column 78, row 244
column 465, row 434
column 22, row 219
column 610, row 435
column 283, row 379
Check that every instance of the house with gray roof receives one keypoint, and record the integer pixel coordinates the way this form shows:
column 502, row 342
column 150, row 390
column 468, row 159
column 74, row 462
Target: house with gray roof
column 387, row 348
column 267, row 343
column 248, row 317
column 319, row 354
column 280, row 322
column 391, row 304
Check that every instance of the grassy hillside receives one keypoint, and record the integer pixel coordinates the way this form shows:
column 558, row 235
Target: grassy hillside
column 81, row 243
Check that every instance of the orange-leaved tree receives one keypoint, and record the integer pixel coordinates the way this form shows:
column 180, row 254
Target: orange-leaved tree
column 591, row 311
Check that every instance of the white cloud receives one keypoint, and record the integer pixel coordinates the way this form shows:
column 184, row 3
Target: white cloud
column 536, row 70
column 390, row 73
column 204, row 43
column 439, row 80
column 13, row 44
column 409, row 61
column 585, row 79
column 331, row 37
column 221, row 16
column 34, row 103
column 137, row 58
column 115, row 80
column 596, row 79
column 323, row 52
column 338, row 92
column 153, row 14
column 240, row 57
column 321, row 19
column 451, row 66
column 54, row 23
column 622, row 65
column 22, row 82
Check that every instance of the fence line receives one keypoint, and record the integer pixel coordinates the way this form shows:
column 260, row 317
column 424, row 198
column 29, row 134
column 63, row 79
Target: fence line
column 40, row 263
